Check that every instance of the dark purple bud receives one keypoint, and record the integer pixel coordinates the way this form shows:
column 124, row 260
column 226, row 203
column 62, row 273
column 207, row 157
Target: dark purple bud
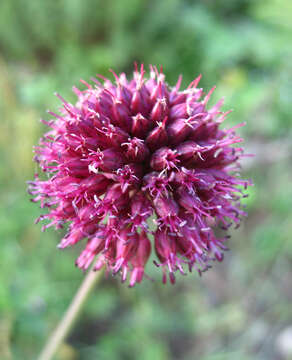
column 114, row 201
column 113, row 135
column 179, row 112
column 157, row 184
column 140, row 258
column 106, row 160
column 164, row 158
column 135, row 149
column 158, row 112
column 188, row 151
column 137, row 104
column 140, row 205
column 158, row 136
column 191, row 203
column 128, row 176
column 140, row 125
column 164, row 245
column 121, row 115
column 93, row 247
column 166, row 207
column 179, row 129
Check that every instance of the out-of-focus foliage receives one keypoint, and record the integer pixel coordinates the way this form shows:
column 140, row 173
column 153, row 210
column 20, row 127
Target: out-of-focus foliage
column 239, row 309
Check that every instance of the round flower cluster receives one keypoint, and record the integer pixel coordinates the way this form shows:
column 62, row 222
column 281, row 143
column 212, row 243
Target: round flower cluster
column 135, row 165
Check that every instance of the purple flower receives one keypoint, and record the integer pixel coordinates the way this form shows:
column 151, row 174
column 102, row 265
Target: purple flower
column 138, row 158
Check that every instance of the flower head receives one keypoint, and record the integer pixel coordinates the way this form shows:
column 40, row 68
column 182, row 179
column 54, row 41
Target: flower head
column 135, row 165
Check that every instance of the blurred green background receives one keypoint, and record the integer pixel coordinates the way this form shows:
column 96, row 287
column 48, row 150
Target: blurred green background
column 241, row 309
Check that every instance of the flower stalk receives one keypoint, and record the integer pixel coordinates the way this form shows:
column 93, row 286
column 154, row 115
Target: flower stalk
column 71, row 315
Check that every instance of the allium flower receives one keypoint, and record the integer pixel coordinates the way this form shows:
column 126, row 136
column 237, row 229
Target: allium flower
column 136, row 159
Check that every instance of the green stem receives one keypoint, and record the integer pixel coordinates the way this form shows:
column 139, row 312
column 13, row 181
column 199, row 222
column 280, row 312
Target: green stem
column 65, row 325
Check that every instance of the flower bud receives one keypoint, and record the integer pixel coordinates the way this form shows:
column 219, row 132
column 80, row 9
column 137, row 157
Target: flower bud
column 164, row 158
column 140, row 125
column 158, row 136
column 140, row 259
column 135, row 149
